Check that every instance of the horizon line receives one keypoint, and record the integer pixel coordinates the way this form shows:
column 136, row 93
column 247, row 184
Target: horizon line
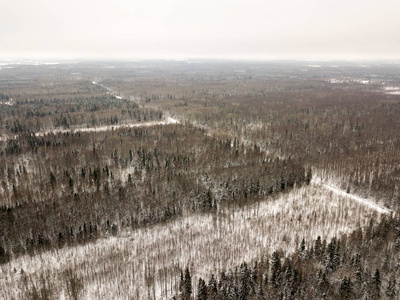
column 109, row 58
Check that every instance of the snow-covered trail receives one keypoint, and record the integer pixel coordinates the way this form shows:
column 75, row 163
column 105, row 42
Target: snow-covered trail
column 109, row 90
column 167, row 121
column 363, row 201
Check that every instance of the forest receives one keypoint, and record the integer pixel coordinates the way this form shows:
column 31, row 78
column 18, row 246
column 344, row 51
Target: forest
column 202, row 179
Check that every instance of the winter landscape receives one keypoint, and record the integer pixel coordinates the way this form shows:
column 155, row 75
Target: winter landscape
column 206, row 180
column 199, row 150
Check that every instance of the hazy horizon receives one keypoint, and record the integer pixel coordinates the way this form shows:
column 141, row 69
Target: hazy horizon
column 155, row 29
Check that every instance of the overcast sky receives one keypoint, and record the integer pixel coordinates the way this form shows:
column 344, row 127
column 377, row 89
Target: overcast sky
column 253, row 29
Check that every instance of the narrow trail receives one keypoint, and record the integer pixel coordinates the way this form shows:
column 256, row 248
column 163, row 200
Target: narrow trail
column 363, row 201
column 167, row 121
column 109, row 90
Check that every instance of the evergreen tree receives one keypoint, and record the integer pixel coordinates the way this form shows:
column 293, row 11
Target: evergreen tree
column 332, row 260
column 202, row 290
column 130, row 155
column 303, row 248
column 52, row 180
column 376, row 285
column 318, row 247
column 391, row 288
column 243, row 281
column 308, row 176
column 346, row 288
column 187, row 285
column 4, row 257
column 275, row 269
column 212, row 287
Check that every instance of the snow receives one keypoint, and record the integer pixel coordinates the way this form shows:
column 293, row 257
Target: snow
column 172, row 121
column 363, row 201
column 350, row 80
column 392, row 90
column 110, row 127
column 167, row 121
column 204, row 242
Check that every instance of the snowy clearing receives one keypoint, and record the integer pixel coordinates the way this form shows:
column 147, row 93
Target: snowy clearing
column 145, row 263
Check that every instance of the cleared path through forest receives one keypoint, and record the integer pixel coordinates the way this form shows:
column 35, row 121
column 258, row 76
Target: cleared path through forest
column 363, row 201
column 167, row 120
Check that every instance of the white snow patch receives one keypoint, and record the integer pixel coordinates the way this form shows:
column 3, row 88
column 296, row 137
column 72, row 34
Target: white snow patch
column 110, row 127
column 392, row 90
column 361, row 200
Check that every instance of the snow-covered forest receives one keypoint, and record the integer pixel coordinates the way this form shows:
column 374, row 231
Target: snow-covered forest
column 206, row 180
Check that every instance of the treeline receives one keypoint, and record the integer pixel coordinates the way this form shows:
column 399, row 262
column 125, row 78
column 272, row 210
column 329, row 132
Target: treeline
column 71, row 188
column 342, row 268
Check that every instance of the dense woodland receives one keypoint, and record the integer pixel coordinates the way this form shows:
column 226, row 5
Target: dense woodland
column 64, row 190
column 341, row 268
column 244, row 133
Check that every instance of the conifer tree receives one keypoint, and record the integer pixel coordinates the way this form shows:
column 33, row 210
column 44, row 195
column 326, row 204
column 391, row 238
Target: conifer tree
column 275, row 269
column 212, row 287
column 187, row 285
column 346, row 288
column 318, row 247
column 391, row 288
column 202, row 290
column 376, row 285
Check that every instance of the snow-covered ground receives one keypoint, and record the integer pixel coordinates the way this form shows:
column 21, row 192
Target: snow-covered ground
column 363, row 201
column 167, row 121
column 351, row 80
column 392, row 90
column 109, row 90
column 145, row 263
